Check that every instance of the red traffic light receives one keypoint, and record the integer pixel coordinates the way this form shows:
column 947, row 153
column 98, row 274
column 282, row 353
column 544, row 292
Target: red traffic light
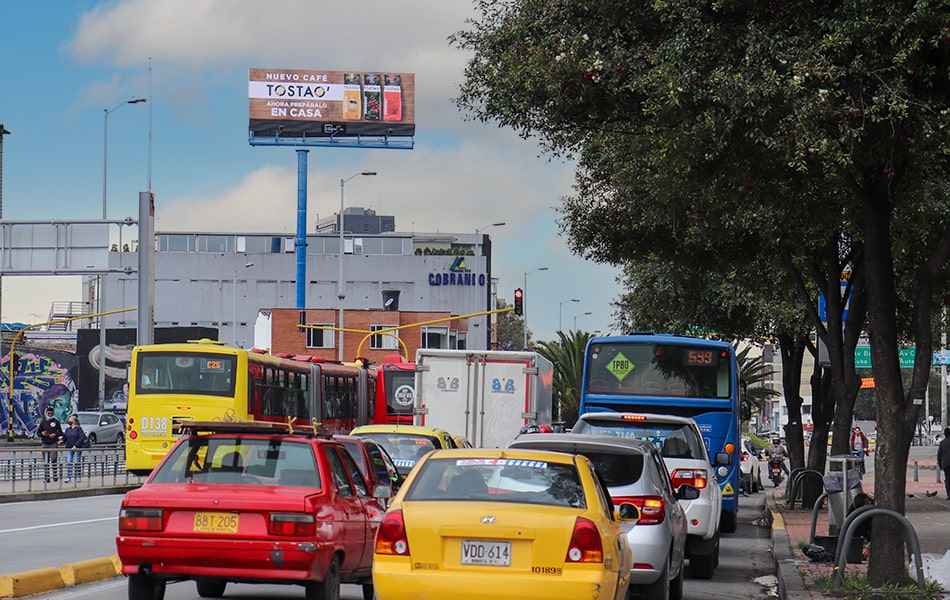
column 519, row 301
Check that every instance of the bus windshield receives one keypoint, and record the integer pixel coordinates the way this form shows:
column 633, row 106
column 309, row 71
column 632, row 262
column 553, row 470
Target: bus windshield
column 658, row 370
column 180, row 373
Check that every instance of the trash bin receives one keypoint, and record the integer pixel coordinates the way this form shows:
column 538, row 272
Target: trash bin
column 842, row 469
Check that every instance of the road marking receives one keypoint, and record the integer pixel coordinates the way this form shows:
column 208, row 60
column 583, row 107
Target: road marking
column 47, row 525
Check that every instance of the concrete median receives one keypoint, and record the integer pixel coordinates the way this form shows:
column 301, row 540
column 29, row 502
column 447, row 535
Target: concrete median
column 38, row 581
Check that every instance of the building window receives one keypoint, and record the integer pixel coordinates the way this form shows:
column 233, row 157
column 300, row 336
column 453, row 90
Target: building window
column 320, row 338
column 385, row 341
column 435, row 337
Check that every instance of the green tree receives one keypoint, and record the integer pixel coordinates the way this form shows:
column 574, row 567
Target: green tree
column 825, row 123
column 567, row 356
column 510, row 331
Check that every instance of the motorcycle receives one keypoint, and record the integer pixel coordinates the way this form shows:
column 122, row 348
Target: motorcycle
column 775, row 471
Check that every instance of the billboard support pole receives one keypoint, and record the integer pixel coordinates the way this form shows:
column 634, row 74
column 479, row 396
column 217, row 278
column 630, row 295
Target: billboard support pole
column 300, row 246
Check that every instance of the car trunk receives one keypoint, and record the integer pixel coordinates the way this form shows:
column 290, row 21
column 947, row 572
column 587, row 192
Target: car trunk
column 480, row 535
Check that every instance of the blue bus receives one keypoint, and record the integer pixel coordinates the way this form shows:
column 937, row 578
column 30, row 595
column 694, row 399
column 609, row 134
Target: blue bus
column 673, row 375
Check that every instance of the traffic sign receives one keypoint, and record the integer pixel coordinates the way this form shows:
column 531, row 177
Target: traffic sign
column 862, row 357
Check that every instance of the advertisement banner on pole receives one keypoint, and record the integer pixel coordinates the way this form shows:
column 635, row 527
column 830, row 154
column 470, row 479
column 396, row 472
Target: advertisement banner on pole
column 307, row 103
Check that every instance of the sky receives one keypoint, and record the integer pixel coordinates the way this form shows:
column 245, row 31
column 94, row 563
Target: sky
column 63, row 64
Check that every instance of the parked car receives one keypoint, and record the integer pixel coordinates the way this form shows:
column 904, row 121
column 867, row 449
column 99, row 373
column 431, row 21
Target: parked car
column 751, row 465
column 503, row 523
column 635, row 472
column 374, row 461
column 406, row 444
column 685, row 454
column 102, row 427
column 250, row 502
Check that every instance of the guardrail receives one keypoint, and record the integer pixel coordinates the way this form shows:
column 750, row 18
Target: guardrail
column 32, row 468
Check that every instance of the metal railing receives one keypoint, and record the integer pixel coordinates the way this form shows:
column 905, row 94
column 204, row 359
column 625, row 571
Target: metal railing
column 33, row 468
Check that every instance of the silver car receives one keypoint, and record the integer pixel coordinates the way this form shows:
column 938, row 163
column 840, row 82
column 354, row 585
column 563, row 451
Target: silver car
column 634, row 471
column 102, row 427
column 684, row 452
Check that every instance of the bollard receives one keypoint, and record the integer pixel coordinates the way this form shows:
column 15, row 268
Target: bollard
column 915, row 472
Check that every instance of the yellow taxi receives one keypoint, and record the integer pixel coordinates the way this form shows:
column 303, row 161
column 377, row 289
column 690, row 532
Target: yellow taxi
column 478, row 523
column 406, row 444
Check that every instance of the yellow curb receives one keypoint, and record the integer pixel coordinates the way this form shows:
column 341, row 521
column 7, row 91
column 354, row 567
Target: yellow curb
column 778, row 521
column 29, row 583
column 87, row 571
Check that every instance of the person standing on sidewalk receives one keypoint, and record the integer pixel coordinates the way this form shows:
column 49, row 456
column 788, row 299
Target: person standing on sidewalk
column 51, row 436
column 943, row 459
column 74, row 438
column 859, row 446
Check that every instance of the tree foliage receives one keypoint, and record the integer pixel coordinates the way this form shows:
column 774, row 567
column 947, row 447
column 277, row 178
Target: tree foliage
column 567, row 356
column 706, row 132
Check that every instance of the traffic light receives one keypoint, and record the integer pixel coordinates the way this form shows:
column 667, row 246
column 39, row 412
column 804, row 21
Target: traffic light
column 519, row 301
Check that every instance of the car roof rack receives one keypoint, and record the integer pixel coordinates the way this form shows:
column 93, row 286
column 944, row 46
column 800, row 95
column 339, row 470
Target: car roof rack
column 313, row 429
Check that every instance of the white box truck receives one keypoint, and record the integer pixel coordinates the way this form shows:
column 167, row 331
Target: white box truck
column 485, row 395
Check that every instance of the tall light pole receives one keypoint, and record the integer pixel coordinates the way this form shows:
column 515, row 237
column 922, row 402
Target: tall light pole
column 524, row 309
column 559, row 307
column 580, row 315
column 102, row 278
column 487, row 295
column 10, row 407
column 341, row 292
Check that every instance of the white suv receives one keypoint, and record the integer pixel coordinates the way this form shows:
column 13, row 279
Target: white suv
column 687, row 460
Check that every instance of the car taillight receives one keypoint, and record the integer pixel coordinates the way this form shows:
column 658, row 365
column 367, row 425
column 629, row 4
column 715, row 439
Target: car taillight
column 134, row 520
column 585, row 546
column 652, row 508
column 391, row 537
column 292, row 524
column 697, row 478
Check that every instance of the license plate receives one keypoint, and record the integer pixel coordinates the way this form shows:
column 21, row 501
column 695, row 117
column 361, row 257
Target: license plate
column 484, row 552
column 216, row 522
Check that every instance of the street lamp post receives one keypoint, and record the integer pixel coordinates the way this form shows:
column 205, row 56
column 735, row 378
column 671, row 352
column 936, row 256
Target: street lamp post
column 102, row 278
column 559, row 307
column 524, row 309
column 478, row 305
column 341, row 293
column 580, row 315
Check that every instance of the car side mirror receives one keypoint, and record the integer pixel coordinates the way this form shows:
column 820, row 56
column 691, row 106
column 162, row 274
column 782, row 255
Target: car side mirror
column 382, row 491
column 723, row 459
column 687, row 492
column 626, row 512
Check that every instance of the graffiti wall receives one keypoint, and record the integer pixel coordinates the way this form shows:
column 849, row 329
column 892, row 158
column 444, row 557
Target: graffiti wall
column 41, row 377
column 118, row 356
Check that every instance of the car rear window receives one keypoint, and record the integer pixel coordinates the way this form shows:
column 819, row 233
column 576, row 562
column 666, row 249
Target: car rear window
column 498, row 480
column 617, row 469
column 405, row 446
column 672, row 439
column 240, row 460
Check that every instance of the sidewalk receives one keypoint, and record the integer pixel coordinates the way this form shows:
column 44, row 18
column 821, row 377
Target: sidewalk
column 791, row 528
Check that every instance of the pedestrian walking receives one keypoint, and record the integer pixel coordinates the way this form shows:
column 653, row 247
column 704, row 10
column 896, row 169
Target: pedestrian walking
column 51, row 437
column 74, row 439
column 943, row 459
column 859, row 446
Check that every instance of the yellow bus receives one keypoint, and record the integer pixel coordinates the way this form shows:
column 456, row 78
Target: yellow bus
column 204, row 380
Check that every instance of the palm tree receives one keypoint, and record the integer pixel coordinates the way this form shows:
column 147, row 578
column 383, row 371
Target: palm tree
column 752, row 373
column 567, row 356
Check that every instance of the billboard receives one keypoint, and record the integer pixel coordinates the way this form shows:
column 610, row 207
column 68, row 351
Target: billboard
column 297, row 103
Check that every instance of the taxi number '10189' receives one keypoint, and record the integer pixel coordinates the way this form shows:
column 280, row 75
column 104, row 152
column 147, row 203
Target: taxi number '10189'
column 483, row 552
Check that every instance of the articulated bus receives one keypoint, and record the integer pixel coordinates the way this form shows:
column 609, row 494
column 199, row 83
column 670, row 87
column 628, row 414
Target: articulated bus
column 203, row 380
column 395, row 391
column 674, row 375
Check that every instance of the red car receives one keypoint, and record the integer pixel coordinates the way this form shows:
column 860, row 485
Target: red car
column 251, row 503
column 373, row 459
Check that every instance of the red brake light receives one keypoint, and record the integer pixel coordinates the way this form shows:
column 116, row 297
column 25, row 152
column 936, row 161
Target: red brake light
column 633, row 418
column 292, row 524
column 585, row 546
column 652, row 508
column 391, row 537
column 135, row 520
column 697, row 478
